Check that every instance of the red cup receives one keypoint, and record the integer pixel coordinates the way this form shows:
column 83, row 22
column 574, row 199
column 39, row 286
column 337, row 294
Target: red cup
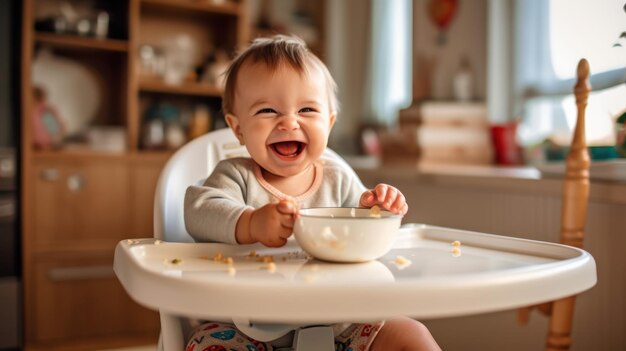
column 507, row 151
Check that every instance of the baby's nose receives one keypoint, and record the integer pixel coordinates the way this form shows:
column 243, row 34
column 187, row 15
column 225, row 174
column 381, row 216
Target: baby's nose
column 288, row 122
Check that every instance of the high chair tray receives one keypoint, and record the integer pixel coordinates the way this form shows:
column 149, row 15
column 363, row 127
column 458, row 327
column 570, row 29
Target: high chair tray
column 489, row 273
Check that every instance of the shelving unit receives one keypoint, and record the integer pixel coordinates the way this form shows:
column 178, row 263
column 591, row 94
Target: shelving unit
column 72, row 41
column 78, row 201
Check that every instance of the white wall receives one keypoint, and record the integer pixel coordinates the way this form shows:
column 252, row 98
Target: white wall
column 466, row 35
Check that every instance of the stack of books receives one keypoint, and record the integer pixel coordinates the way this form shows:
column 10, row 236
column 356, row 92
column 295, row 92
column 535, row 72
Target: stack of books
column 441, row 132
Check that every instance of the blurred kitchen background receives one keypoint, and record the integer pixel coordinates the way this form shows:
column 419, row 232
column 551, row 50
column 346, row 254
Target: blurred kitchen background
column 466, row 106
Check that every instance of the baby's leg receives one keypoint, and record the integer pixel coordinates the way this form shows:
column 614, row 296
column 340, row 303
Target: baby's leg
column 404, row 334
column 356, row 336
column 222, row 337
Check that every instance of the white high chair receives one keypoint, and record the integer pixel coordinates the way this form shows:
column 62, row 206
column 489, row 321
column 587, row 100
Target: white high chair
column 188, row 166
column 436, row 284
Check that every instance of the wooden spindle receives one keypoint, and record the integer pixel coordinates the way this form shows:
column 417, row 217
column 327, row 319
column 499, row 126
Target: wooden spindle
column 576, row 182
column 574, row 210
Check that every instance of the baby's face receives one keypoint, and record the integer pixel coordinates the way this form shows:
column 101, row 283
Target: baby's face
column 283, row 117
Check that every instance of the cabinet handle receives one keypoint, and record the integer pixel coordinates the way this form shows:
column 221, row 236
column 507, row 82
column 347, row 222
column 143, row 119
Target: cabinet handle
column 80, row 273
column 75, row 182
column 50, row 174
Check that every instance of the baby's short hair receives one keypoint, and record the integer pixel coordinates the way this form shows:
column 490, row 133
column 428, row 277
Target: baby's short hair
column 273, row 52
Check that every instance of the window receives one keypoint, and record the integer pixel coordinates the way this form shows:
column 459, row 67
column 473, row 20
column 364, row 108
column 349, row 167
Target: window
column 550, row 37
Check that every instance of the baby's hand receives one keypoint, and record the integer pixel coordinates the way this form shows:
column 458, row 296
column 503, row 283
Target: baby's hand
column 387, row 197
column 272, row 224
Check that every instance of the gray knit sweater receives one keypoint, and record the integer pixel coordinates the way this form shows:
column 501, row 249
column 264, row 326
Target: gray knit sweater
column 212, row 210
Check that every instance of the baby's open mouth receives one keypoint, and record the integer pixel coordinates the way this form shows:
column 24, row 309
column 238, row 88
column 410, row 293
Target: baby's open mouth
column 288, row 148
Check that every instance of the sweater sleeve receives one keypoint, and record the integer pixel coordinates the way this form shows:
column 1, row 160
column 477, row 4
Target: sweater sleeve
column 213, row 209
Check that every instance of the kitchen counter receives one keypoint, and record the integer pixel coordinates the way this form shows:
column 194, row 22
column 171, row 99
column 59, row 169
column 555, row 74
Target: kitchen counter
column 608, row 181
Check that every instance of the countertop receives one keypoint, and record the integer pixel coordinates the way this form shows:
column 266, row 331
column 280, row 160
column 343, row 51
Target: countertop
column 608, row 180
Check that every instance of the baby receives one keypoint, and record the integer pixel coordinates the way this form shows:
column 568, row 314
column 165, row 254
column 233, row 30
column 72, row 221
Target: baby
column 280, row 101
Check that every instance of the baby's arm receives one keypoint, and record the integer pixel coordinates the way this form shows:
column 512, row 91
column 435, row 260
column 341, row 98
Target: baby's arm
column 385, row 196
column 271, row 225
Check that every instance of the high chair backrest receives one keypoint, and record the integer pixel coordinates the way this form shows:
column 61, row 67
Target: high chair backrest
column 190, row 165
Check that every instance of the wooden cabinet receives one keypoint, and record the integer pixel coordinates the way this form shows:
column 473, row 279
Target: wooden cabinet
column 83, row 195
column 80, row 202
column 83, row 300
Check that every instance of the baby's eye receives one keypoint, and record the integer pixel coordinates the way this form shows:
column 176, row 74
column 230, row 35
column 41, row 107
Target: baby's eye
column 265, row 110
column 307, row 109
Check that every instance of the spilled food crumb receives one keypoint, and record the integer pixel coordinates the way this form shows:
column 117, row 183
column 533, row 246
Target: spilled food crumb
column 456, row 243
column 231, row 271
column 375, row 211
column 265, row 259
column 176, row 261
column 456, row 252
column 402, row 262
column 271, row 267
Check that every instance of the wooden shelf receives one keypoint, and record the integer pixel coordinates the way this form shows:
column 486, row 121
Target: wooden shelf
column 204, row 6
column 195, row 89
column 72, row 41
column 59, row 230
column 91, row 154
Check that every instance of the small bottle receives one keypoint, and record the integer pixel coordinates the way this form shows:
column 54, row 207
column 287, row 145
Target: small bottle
column 463, row 82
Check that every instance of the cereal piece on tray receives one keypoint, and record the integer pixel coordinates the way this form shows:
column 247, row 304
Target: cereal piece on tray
column 456, row 243
column 456, row 252
column 231, row 271
column 402, row 262
column 271, row 267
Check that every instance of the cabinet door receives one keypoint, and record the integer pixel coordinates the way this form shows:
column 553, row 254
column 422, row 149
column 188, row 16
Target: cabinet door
column 79, row 298
column 80, row 203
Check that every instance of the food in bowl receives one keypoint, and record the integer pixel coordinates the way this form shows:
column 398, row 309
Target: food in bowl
column 346, row 234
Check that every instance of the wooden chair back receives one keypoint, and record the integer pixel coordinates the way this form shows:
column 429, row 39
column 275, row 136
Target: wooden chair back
column 573, row 217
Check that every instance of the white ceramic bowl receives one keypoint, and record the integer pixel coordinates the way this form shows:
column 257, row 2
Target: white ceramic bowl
column 345, row 234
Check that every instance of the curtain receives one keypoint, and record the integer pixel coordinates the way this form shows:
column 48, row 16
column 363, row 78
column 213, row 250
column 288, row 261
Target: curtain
column 369, row 55
column 389, row 87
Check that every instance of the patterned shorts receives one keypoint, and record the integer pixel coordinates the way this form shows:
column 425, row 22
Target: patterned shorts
column 225, row 337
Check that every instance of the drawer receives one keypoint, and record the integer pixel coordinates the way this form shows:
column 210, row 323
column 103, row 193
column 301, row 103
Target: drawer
column 80, row 298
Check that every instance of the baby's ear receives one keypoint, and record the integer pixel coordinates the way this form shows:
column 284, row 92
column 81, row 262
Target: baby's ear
column 332, row 119
column 233, row 123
